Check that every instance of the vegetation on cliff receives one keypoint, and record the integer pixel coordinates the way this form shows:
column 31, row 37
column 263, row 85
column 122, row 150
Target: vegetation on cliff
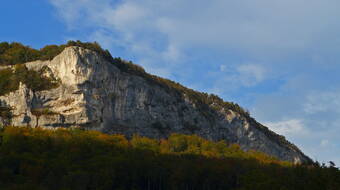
column 207, row 104
column 16, row 53
column 10, row 79
column 5, row 114
column 75, row 159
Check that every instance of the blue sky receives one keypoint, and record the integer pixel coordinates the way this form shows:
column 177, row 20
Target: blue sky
column 278, row 59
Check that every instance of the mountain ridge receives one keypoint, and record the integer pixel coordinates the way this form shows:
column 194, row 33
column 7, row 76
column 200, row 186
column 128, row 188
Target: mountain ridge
column 83, row 73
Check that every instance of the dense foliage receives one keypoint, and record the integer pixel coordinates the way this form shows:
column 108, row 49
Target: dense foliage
column 74, row 159
column 5, row 114
column 16, row 53
column 10, row 79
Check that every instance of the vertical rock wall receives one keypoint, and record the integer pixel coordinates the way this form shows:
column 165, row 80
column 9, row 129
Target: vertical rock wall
column 95, row 94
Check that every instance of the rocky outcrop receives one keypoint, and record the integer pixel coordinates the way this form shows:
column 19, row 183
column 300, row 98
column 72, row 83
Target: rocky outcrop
column 95, row 94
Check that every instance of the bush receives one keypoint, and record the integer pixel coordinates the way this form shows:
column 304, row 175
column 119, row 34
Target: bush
column 34, row 80
column 5, row 112
column 16, row 53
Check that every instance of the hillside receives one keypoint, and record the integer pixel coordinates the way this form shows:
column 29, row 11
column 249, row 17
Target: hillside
column 81, row 85
column 39, row 159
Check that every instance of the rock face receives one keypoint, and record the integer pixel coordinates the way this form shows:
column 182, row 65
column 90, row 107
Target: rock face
column 96, row 94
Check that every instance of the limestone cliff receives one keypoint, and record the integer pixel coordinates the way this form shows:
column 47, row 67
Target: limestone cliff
column 96, row 94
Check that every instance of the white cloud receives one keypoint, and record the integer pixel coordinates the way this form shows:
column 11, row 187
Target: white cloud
column 251, row 74
column 223, row 68
column 293, row 127
column 104, row 39
column 322, row 102
column 238, row 76
column 324, row 143
column 125, row 16
column 172, row 53
column 265, row 27
column 317, row 127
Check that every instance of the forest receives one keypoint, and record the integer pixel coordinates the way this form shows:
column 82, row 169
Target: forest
column 37, row 158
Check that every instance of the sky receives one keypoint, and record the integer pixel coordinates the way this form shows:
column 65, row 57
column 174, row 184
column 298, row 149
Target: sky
column 279, row 59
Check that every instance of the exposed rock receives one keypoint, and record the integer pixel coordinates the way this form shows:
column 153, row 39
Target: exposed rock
column 96, row 94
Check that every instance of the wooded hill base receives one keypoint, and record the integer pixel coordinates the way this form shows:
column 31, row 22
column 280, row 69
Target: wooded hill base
column 35, row 158
column 17, row 54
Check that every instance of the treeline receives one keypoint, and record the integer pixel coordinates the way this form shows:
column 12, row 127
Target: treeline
column 74, row 159
column 17, row 53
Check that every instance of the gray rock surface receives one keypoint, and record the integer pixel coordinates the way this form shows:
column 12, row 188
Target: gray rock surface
column 96, row 94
